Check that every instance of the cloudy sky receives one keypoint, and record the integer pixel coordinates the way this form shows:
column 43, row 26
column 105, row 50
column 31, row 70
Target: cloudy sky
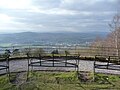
column 56, row 15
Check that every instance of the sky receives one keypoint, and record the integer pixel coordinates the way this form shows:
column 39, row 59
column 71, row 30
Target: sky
column 56, row 15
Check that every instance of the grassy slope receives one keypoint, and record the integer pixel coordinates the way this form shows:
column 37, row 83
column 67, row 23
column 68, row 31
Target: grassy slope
column 62, row 81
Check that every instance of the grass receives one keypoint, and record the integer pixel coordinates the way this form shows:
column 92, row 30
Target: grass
column 5, row 84
column 62, row 81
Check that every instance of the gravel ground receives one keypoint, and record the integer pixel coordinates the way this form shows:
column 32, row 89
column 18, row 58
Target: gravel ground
column 21, row 65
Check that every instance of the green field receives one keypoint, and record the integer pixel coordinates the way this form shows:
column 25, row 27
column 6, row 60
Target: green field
column 62, row 81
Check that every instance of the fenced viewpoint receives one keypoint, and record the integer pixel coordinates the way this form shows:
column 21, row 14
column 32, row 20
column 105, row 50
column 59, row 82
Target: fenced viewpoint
column 63, row 57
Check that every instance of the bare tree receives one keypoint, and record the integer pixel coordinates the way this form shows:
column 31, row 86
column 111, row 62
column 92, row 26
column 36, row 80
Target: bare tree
column 97, row 42
column 113, row 39
column 115, row 28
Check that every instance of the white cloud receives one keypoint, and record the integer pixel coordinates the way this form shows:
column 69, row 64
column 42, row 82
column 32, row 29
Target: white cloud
column 62, row 11
column 72, row 2
column 59, row 11
column 7, row 24
column 55, row 15
column 5, row 18
column 19, row 25
column 15, row 4
column 86, row 1
column 54, row 11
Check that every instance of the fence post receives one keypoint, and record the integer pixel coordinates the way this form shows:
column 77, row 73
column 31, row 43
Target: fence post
column 108, row 62
column 94, row 69
column 8, row 69
column 28, row 67
column 53, row 59
column 78, row 64
column 40, row 57
column 66, row 60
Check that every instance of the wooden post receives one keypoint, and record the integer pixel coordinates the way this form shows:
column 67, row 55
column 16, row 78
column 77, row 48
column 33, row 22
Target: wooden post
column 7, row 55
column 78, row 63
column 77, row 66
column 94, row 72
column 108, row 62
column 94, row 69
column 53, row 59
column 8, row 69
column 28, row 68
column 66, row 60
column 40, row 59
column 31, row 64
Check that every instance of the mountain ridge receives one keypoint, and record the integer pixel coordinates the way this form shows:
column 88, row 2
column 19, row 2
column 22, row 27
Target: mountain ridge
column 50, row 38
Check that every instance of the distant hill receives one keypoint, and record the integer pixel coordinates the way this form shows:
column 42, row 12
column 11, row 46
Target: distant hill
column 50, row 38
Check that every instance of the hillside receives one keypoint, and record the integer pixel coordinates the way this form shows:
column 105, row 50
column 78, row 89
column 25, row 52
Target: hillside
column 50, row 38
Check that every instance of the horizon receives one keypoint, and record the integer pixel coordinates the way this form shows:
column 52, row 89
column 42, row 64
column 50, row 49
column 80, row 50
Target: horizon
column 56, row 32
column 46, row 16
